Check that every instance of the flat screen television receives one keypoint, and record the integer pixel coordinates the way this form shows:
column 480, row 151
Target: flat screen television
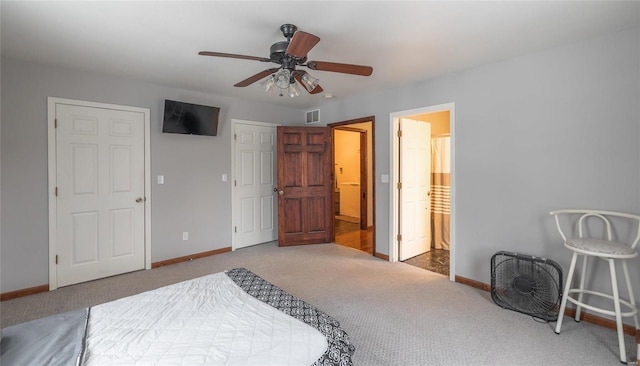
column 190, row 119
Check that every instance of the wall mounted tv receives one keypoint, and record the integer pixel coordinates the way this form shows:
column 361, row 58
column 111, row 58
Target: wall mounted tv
column 190, row 119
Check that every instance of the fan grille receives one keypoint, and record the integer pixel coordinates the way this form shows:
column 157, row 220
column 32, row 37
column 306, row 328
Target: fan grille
column 526, row 284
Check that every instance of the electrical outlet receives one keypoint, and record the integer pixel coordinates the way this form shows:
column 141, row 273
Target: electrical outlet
column 185, row 235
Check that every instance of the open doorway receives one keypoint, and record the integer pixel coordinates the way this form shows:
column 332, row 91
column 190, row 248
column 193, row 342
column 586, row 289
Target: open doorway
column 353, row 155
column 422, row 219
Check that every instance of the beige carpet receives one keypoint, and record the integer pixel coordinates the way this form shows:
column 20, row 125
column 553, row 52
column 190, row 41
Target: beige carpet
column 395, row 314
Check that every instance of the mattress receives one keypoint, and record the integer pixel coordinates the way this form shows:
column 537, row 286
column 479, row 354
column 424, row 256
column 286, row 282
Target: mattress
column 230, row 318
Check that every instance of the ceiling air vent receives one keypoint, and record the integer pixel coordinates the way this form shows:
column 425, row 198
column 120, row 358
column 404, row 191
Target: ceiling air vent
column 313, row 116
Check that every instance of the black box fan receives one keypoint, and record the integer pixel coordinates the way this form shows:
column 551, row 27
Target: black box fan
column 526, row 284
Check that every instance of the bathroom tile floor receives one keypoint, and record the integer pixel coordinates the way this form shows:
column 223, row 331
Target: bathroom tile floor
column 435, row 260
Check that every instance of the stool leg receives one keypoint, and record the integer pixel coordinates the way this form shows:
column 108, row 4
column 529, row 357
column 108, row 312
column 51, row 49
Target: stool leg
column 582, row 276
column 563, row 303
column 616, row 306
column 632, row 298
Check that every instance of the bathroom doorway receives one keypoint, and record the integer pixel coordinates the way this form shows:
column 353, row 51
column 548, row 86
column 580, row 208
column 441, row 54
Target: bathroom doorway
column 353, row 184
column 436, row 259
column 438, row 255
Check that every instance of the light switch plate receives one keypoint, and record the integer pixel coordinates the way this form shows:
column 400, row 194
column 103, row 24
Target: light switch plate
column 161, row 179
column 385, row 178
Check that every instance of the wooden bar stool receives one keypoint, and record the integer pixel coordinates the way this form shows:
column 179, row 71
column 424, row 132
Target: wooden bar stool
column 588, row 244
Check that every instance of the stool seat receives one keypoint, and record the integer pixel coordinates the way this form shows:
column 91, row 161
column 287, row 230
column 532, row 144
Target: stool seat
column 595, row 238
column 601, row 248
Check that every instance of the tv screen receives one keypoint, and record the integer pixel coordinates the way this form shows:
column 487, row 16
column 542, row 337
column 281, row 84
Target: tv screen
column 190, row 119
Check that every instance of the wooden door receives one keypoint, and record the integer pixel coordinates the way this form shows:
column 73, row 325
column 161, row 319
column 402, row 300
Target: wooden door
column 305, row 201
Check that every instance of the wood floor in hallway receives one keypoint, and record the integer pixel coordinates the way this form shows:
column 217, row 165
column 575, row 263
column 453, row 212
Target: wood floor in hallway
column 349, row 235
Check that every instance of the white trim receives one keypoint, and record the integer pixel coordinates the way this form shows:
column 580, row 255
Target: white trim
column 235, row 122
column 52, row 179
column 394, row 174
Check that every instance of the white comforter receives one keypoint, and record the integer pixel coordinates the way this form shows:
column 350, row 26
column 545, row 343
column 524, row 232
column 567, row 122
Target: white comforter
column 205, row 321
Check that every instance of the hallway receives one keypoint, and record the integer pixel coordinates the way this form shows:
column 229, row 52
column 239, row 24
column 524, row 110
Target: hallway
column 348, row 234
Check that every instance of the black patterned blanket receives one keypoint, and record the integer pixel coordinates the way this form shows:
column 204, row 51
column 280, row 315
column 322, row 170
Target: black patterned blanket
column 340, row 348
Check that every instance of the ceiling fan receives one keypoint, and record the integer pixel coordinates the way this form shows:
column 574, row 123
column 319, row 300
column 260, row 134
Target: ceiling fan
column 289, row 54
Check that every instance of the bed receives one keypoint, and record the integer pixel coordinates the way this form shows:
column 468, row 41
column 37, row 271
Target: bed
column 228, row 318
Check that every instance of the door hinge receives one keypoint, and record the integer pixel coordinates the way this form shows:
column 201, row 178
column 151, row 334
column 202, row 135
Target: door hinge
column 235, row 137
column 56, row 259
column 56, row 192
column 55, row 123
column 235, row 229
column 399, row 237
column 399, row 133
column 399, row 185
column 235, row 183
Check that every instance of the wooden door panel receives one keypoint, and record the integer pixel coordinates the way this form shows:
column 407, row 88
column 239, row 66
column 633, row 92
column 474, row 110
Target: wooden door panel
column 316, row 176
column 304, row 176
column 317, row 223
column 293, row 208
column 292, row 164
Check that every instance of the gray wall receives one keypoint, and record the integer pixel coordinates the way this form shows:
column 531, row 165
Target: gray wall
column 192, row 199
column 550, row 130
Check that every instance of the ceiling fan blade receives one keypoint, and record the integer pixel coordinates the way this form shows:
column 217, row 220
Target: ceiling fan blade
column 343, row 68
column 252, row 79
column 231, row 55
column 301, row 44
column 298, row 76
column 316, row 90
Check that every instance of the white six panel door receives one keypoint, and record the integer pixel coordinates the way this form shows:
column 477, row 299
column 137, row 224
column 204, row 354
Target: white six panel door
column 255, row 171
column 415, row 175
column 100, row 202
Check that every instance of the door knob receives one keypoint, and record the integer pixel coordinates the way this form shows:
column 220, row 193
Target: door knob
column 281, row 193
column 275, row 189
column 139, row 199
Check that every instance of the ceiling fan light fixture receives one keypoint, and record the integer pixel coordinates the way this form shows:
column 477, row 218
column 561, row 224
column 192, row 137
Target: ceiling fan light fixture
column 268, row 84
column 309, row 82
column 293, row 90
column 282, row 78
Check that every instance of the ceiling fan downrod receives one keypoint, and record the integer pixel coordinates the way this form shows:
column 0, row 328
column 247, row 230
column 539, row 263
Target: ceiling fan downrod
column 288, row 30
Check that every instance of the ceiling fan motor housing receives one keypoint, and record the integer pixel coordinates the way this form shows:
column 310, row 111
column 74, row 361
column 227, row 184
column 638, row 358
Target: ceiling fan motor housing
column 278, row 50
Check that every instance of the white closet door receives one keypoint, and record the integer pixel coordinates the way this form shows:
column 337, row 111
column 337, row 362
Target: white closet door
column 255, row 179
column 100, row 202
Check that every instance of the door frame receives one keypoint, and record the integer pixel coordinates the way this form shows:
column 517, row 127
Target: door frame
column 372, row 173
column 394, row 204
column 234, row 209
column 364, row 171
column 52, row 177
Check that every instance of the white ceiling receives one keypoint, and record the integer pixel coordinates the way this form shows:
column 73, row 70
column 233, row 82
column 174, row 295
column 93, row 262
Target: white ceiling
column 404, row 42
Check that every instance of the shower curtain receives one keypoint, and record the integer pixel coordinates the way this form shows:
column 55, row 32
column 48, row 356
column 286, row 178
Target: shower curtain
column 440, row 192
